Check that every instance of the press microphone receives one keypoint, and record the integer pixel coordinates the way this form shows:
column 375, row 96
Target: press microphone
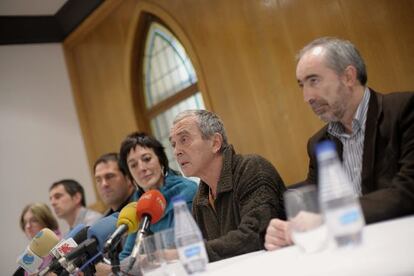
column 97, row 234
column 150, row 209
column 39, row 247
column 70, row 241
column 127, row 222
column 67, row 243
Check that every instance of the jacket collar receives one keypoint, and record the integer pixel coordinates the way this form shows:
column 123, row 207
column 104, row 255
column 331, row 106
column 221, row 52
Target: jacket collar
column 225, row 182
column 371, row 130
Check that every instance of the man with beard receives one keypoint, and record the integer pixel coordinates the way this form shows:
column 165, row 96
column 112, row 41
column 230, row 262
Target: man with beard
column 114, row 185
column 373, row 133
column 115, row 189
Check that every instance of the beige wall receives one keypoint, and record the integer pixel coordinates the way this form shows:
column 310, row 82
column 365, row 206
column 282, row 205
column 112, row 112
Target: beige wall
column 243, row 52
column 40, row 138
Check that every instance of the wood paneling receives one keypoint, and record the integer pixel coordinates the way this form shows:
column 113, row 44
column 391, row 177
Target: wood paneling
column 244, row 55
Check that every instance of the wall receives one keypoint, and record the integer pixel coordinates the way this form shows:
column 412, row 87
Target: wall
column 40, row 138
column 243, row 53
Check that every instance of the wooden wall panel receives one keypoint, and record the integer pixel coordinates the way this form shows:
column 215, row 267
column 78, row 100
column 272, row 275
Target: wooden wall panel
column 244, row 52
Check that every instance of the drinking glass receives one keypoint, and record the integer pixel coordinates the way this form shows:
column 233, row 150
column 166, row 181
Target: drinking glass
column 166, row 243
column 306, row 225
column 150, row 257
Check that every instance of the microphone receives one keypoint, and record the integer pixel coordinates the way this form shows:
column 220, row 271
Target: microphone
column 66, row 245
column 127, row 222
column 150, row 209
column 39, row 247
column 97, row 234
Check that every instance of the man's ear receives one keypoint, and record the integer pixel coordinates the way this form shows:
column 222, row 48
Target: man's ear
column 217, row 142
column 350, row 75
column 129, row 181
column 78, row 198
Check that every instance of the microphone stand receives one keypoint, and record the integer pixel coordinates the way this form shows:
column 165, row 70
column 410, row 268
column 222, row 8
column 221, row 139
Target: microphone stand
column 113, row 254
column 143, row 229
column 115, row 264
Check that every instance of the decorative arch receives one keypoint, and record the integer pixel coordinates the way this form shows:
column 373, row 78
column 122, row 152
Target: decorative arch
column 145, row 14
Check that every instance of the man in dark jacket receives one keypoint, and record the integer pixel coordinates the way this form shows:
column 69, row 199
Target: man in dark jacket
column 374, row 133
column 237, row 195
column 115, row 189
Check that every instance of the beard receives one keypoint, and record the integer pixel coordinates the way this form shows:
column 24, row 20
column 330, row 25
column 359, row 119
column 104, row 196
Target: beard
column 335, row 114
column 338, row 106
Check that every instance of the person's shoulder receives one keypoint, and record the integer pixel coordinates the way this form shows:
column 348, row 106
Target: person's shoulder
column 396, row 104
column 92, row 213
column 187, row 185
column 397, row 95
column 397, row 98
column 253, row 170
column 180, row 180
column 252, row 159
column 91, row 216
column 179, row 185
column 253, row 163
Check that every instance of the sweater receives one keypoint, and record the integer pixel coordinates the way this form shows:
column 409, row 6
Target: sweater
column 173, row 185
column 249, row 195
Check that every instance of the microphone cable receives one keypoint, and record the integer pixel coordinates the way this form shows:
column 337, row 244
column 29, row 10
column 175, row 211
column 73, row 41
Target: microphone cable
column 88, row 262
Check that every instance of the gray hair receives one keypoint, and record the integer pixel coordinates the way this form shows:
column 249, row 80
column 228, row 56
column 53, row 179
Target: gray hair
column 208, row 123
column 339, row 54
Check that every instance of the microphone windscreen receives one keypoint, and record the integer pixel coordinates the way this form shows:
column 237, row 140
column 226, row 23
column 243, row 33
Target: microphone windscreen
column 151, row 203
column 128, row 216
column 102, row 229
column 82, row 235
column 74, row 231
column 43, row 242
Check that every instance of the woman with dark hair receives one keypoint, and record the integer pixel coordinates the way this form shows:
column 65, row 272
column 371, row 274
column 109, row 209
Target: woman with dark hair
column 144, row 159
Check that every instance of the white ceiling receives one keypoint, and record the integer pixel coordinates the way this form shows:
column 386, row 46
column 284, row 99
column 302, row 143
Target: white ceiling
column 30, row 7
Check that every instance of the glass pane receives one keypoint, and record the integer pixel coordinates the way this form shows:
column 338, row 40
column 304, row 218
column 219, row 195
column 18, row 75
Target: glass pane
column 167, row 68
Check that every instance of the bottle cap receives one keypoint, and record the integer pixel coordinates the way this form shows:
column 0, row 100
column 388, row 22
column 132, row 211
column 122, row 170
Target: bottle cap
column 177, row 198
column 324, row 146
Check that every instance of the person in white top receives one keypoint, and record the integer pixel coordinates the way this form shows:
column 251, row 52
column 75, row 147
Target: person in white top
column 67, row 198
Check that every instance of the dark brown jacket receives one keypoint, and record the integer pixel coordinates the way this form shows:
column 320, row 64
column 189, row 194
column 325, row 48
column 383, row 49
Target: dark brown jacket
column 388, row 160
column 249, row 194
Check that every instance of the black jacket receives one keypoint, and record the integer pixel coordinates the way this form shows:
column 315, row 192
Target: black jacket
column 388, row 160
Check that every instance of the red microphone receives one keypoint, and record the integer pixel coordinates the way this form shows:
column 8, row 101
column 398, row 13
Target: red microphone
column 150, row 209
column 151, row 205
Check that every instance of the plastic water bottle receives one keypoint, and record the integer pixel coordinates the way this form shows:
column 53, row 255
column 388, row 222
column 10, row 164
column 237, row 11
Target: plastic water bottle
column 188, row 239
column 338, row 200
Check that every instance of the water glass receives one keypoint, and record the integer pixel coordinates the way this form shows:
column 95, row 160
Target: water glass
column 307, row 226
column 166, row 243
column 150, row 257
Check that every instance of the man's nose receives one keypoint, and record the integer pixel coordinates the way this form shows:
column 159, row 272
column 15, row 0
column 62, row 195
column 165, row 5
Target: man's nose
column 177, row 151
column 308, row 95
column 104, row 182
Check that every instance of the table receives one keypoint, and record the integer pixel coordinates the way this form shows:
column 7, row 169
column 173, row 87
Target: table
column 387, row 249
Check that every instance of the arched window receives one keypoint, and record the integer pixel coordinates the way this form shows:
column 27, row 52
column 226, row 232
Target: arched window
column 170, row 83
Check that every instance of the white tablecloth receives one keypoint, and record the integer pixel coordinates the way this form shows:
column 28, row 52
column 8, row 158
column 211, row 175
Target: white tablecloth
column 387, row 249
